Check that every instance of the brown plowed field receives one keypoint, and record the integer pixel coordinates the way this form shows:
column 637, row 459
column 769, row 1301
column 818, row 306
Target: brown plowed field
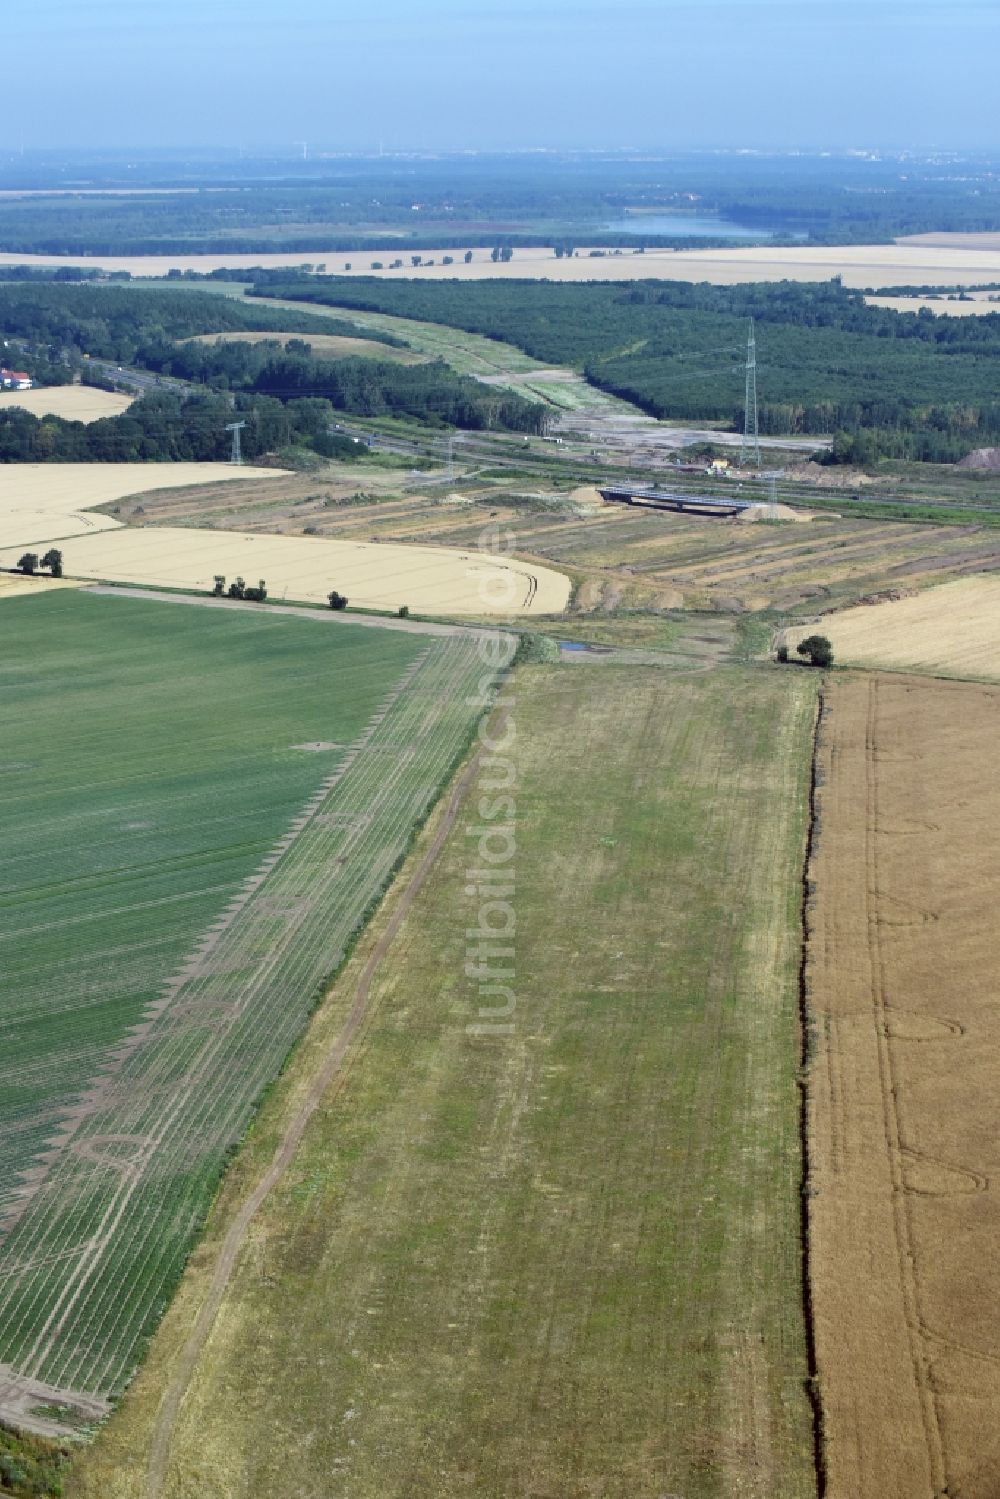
column 905, row 1034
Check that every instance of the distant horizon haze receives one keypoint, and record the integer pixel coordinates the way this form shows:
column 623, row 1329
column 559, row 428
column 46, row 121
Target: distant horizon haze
column 557, row 75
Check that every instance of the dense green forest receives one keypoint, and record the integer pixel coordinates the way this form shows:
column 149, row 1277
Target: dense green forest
column 287, row 395
column 363, row 203
column 890, row 384
column 172, row 426
column 118, row 323
column 432, row 393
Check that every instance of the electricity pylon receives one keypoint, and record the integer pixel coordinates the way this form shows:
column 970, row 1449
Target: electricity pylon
column 750, row 446
column 235, row 428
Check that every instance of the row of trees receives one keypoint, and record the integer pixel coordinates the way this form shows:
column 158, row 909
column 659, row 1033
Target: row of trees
column 239, row 588
column 30, row 562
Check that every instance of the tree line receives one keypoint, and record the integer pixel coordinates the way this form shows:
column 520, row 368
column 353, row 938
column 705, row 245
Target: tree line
column 174, row 426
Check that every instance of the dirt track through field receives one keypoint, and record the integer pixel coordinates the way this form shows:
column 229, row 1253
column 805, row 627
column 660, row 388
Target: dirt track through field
column 901, row 980
column 323, row 1081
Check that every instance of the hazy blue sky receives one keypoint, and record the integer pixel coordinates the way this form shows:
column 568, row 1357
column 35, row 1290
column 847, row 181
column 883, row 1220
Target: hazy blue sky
column 440, row 73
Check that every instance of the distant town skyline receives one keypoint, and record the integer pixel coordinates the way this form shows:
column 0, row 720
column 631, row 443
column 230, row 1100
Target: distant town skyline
column 560, row 73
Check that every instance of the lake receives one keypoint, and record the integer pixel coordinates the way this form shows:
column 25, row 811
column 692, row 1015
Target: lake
column 686, row 226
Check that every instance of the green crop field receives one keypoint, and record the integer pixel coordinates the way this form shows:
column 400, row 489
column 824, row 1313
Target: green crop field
column 200, row 808
column 559, row 1258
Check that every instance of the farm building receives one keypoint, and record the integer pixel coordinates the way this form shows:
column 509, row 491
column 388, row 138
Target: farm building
column 15, row 380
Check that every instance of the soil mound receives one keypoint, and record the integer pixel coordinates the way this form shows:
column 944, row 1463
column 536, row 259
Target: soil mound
column 988, row 458
column 772, row 512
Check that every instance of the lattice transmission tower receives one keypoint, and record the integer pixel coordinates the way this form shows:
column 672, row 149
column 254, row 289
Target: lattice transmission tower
column 235, row 428
column 750, row 446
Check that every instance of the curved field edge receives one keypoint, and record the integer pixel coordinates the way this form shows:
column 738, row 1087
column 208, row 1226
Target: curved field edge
column 91, row 1261
column 565, row 1256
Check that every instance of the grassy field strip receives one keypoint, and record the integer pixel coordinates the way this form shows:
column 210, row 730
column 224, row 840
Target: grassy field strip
column 901, row 987
column 562, row 1261
column 402, row 898
column 129, row 1187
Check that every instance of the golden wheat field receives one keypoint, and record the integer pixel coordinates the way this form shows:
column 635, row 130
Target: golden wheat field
column 429, row 580
column 952, row 630
column 76, row 403
column 44, row 504
column 979, row 304
column 958, row 261
column 15, row 585
column 901, row 983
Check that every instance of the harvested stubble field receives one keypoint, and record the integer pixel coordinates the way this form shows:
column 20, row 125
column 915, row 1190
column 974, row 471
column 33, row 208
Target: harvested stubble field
column 41, row 503
column 952, row 631
column 75, row 403
column 204, row 806
column 561, row 1259
column 901, row 984
column 45, row 503
column 975, row 304
column 957, row 260
column 617, row 556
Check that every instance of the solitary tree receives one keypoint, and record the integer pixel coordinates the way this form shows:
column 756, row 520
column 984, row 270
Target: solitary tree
column 336, row 600
column 817, row 649
column 28, row 562
column 53, row 561
column 468, row 257
column 237, row 589
column 220, row 586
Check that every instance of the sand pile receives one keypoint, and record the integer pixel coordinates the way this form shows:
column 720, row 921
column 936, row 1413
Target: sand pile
column 767, row 512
